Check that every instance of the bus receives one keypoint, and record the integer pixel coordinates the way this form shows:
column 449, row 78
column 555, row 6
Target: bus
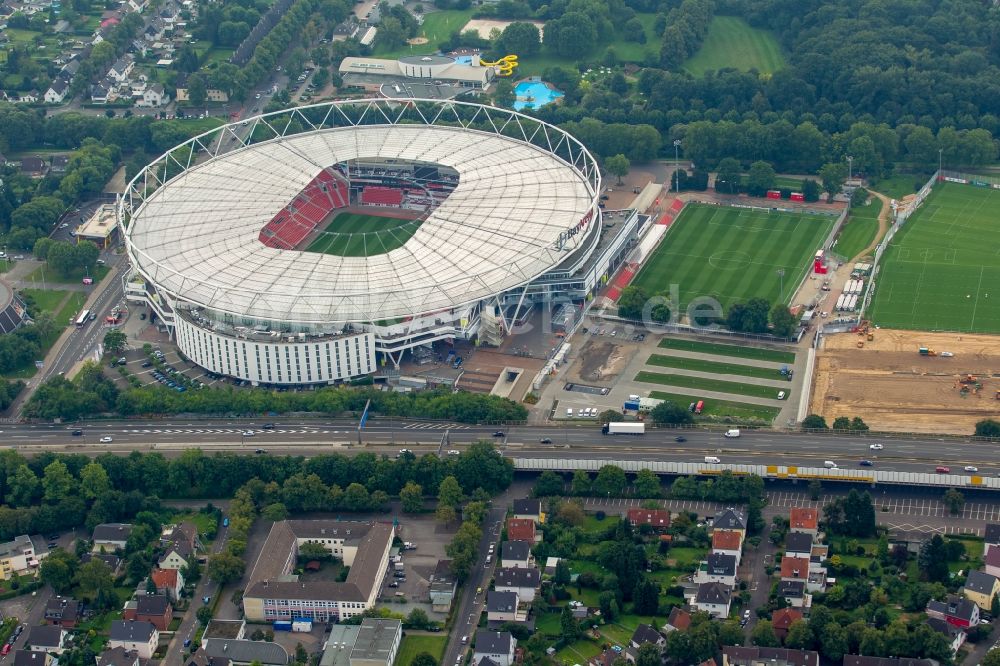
column 82, row 319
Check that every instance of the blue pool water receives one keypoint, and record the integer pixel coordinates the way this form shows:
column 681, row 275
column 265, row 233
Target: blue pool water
column 534, row 94
column 463, row 60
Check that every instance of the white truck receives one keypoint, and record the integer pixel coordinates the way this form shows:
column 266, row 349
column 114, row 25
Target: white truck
column 624, row 429
column 732, row 432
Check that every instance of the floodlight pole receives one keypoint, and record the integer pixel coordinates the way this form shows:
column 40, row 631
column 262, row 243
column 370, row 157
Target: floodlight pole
column 677, row 176
column 850, row 169
column 781, row 277
column 940, row 153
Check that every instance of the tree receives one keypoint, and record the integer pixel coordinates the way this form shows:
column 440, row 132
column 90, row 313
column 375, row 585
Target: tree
column 314, row 551
column 833, row 642
column 356, row 498
column 417, row 619
column 504, row 95
column 580, row 485
column 610, row 416
column 954, row 500
column 569, row 627
column 988, row 428
column 570, row 512
column 760, row 178
column 799, row 636
column 57, row 482
column 810, row 190
column 23, row 487
column 727, row 176
column 814, row 422
column 763, row 635
column 631, row 302
column 115, row 342
column 274, row 512
column 833, row 175
column 225, row 567
column 670, row 413
column 520, row 38
column 411, row 497
column 618, row 165
column 649, row 653
column 610, row 481
column 647, row 484
column 197, row 90
column 992, row 658
column 549, row 483
column 94, row 481
column 204, row 615
column 932, row 561
column 445, row 514
column 646, row 598
column 424, row 659
column 57, row 570
column 782, row 321
column 94, row 578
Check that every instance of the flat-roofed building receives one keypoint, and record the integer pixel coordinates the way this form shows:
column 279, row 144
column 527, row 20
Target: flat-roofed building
column 377, row 642
column 101, row 227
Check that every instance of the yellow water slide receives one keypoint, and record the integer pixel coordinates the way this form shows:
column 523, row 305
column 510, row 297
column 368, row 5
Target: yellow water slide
column 505, row 65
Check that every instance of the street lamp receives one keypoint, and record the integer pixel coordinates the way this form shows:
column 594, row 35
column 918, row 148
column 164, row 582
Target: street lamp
column 677, row 176
column 781, row 278
column 850, row 168
column 940, row 152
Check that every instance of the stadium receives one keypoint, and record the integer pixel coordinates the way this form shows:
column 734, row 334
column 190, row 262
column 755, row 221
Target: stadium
column 317, row 244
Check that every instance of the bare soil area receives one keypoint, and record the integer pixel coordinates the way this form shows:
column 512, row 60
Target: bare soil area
column 600, row 361
column 893, row 388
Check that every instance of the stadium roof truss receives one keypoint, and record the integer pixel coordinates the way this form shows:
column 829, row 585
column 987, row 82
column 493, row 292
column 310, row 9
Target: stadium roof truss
column 527, row 197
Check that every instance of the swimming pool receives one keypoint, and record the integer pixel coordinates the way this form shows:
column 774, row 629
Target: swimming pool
column 463, row 60
column 534, row 94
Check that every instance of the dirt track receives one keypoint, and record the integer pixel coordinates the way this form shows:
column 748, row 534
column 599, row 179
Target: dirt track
column 892, row 387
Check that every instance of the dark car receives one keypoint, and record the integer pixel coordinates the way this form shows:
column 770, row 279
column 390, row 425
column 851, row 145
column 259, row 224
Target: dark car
column 499, row 433
column 260, row 451
column 146, row 364
column 77, row 433
column 866, row 463
column 678, row 438
column 393, row 584
column 546, row 440
column 268, row 426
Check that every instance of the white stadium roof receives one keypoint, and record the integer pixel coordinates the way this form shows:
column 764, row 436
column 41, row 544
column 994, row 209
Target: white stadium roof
column 197, row 237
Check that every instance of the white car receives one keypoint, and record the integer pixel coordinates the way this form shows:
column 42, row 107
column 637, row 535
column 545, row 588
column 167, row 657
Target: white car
column 971, row 468
column 106, row 439
column 947, row 355
column 249, row 433
column 454, row 452
column 875, row 447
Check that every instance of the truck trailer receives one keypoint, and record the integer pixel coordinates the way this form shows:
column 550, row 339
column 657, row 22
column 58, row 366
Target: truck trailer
column 624, row 429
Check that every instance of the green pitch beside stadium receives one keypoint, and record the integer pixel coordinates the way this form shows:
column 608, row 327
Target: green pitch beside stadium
column 733, row 254
column 941, row 271
column 358, row 235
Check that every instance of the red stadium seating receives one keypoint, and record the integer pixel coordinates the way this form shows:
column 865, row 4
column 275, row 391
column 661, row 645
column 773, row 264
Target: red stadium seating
column 325, row 193
column 381, row 196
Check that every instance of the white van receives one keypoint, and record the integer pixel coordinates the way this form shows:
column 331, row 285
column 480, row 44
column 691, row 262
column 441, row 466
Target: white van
column 569, row 412
column 829, row 464
column 712, row 459
column 733, row 432
column 633, row 396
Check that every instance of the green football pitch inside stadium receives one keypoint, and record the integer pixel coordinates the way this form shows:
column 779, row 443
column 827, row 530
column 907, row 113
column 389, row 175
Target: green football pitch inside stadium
column 941, row 271
column 734, row 254
column 359, row 235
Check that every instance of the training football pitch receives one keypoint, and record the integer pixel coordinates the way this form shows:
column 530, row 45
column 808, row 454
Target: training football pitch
column 359, row 235
column 734, row 254
column 942, row 269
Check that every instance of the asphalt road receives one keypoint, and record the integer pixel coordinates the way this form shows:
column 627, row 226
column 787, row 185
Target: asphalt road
column 307, row 437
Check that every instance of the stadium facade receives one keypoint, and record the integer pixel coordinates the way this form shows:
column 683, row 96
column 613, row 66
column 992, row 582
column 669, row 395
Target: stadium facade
column 505, row 214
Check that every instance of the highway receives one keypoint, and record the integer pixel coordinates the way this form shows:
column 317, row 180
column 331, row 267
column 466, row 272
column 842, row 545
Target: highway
column 309, row 437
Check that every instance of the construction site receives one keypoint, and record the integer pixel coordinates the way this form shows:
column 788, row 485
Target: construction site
column 908, row 381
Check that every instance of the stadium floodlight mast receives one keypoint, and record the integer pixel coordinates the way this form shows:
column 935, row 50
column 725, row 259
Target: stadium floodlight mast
column 677, row 176
column 781, row 278
column 850, row 168
column 940, row 153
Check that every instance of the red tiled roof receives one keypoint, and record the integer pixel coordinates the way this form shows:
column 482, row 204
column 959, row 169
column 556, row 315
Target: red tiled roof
column 794, row 567
column 725, row 540
column 804, row 519
column 520, row 529
column 782, row 619
column 165, row 578
column 654, row 517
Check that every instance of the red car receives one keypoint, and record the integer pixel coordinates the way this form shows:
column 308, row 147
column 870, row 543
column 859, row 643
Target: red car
column 941, row 469
column 6, row 649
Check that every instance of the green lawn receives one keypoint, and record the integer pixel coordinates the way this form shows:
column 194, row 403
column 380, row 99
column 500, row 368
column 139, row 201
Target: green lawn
column 706, row 384
column 732, row 42
column 720, row 408
column 860, row 229
column 46, row 300
column 76, row 277
column 412, row 645
column 437, row 27
column 940, row 268
column 701, row 365
column 899, row 185
column 357, row 235
column 722, row 349
column 204, row 522
column 192, row 126
column 733, row 254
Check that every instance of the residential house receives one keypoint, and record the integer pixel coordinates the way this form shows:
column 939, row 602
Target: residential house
column 57, row 91
column 728, row 542
column 731, row 519
column 24, row 553
column 981, row 588
column 30, row 97
column 782, row 619
column 497, row 646
column 551, row 563
column 59, row 163
column 230, row 630
column 516, row 554
column 32, row 658
column 658, row 519
column 113, row 561
column 794, row 568
column 169, row 582
column 522, row 529
column 525, row 582
column 134, row 636
column 529, row 508
column 177, row 555
column 47, row 638
column 804, row 519
column 152, row 608
column 502, row 607
column 992, row 561
column 753, row 656
column 955, row 636
column 443, row 586
column 798, row 545
column 62, row 612
column 859, row 660
column 120, row 657
column 122, row 68
column 245, row 652
column 34, row 167
column 678, row 620
column 103, row 92
column 186, row 533
column 962, row 613
column 794, row 593
column 153, row 96
column 991, row 536
column 643, row 634
column 109, row 537
column 717, row 568
column 211, row 94
column 713, row 598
